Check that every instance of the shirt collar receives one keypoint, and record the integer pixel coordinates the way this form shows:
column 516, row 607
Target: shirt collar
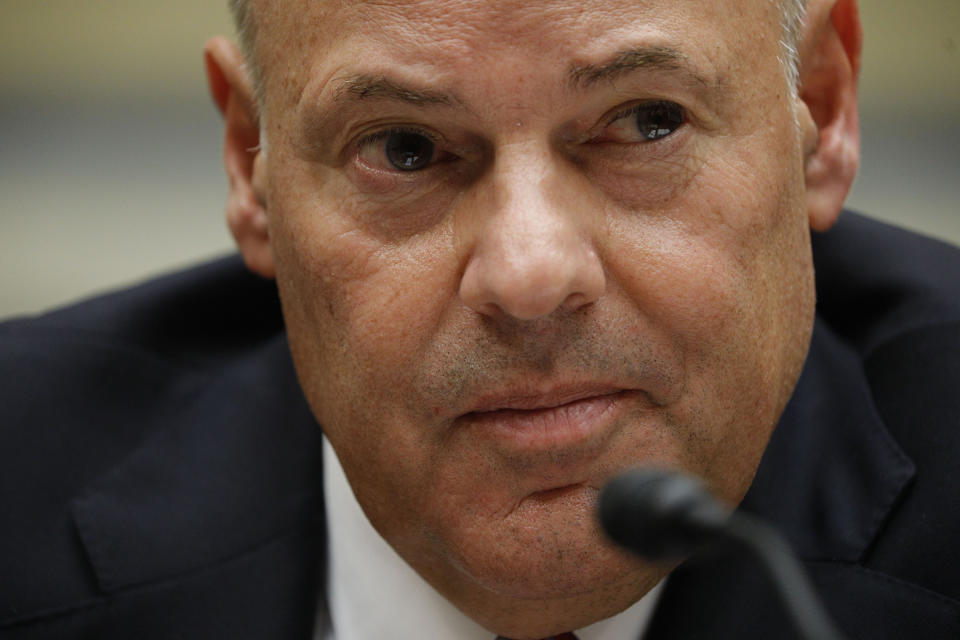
column 374, row 593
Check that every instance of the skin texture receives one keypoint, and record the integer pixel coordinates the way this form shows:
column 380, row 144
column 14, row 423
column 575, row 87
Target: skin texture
column 554, row 299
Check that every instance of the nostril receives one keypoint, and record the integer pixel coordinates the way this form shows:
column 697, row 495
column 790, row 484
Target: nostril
column 531, row 290
column 575, row 301
column 489, row 309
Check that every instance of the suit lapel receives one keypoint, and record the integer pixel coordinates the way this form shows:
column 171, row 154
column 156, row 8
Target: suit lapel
column 239, row 465
column 828, row 481
column 831, row 472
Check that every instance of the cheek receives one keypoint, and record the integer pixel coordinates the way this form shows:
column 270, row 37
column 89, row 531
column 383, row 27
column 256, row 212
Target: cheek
column 359, row 319
column 713, row 260
column 340, row 272
column 686, row 284
column 359, row 311
column 726, row 274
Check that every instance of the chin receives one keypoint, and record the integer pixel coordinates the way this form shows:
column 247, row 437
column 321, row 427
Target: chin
column 540, row 604
column 544, row 550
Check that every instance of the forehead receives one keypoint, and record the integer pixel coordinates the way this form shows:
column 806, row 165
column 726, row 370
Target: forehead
column 505, row 16
column 298, row 39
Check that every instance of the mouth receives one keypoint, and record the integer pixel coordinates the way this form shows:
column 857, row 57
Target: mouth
column 555, row 421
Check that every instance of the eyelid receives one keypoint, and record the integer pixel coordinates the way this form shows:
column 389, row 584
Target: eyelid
column 382, row 134
column 632, row 109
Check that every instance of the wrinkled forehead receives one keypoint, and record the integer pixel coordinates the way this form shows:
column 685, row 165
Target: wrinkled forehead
column 298, row 38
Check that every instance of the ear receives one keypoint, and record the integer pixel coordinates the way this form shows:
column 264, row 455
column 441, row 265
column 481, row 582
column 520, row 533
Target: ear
column 829, row 52
column 232, row 91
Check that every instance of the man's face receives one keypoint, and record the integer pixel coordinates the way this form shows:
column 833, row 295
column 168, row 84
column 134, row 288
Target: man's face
column 523, row 247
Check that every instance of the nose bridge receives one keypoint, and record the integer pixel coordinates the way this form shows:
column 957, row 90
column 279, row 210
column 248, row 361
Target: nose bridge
column 534, row 252
column 525, row 212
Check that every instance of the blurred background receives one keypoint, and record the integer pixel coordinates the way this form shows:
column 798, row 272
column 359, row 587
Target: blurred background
column 110, row 148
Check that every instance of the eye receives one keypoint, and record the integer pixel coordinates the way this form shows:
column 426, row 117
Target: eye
column 397, row 150
column 646, row 121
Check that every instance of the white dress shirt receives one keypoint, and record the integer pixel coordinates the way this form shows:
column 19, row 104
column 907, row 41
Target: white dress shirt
column 373, row 593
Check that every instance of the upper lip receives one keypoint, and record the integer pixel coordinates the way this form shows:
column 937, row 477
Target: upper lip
column 523, row 397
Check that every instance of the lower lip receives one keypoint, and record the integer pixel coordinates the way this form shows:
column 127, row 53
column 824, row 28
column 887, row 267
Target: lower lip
column 551, row 428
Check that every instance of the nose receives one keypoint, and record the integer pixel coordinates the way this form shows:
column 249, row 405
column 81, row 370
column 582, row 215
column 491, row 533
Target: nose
column 534, row 253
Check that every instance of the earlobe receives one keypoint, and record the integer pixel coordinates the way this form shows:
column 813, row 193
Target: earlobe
column 244, row 161
column 829, row 68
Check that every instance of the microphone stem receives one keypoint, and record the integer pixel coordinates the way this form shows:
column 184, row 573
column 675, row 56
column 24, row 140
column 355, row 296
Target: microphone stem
column 792, row 585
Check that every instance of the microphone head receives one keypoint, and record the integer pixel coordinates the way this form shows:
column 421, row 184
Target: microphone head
column 659, row 514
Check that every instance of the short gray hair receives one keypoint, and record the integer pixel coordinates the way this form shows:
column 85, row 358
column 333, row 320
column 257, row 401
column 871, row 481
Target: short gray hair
column 793, row 13
column 246, row 32
column 243, row 19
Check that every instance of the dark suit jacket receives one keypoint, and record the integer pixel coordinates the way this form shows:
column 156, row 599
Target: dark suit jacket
column 160, row 470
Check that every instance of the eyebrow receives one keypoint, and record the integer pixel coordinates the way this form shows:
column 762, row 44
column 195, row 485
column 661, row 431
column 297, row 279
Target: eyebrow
column 582, row 77
column 363, row 86
column 624, row 62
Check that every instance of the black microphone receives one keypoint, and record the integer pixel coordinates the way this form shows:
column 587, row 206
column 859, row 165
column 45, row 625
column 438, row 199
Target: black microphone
column 664, row 515
column 661, row 515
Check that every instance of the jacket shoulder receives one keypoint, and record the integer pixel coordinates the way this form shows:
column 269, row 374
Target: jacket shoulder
column 876, row 282
column 202, row 315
